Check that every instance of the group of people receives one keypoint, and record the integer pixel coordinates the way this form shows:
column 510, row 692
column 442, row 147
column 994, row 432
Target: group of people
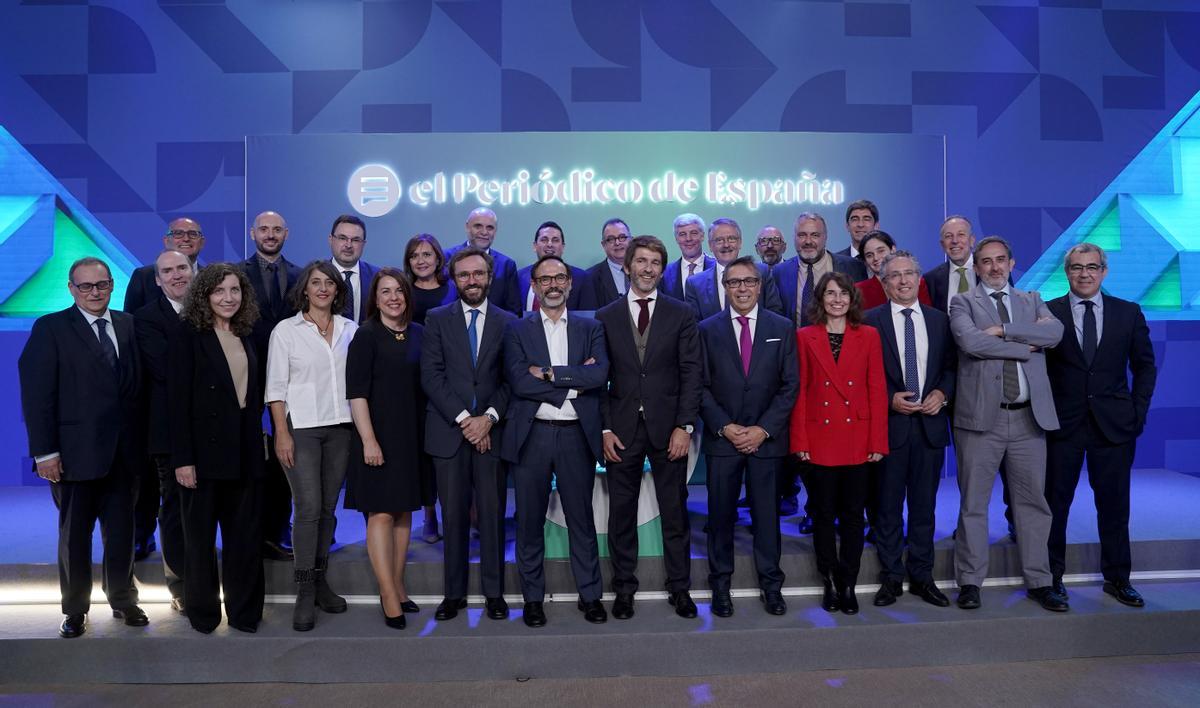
column 443, row 378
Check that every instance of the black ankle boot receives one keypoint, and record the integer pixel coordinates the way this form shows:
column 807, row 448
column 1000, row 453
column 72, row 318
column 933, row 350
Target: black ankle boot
column 304, row 616
column 327, row 599
column 829, row 598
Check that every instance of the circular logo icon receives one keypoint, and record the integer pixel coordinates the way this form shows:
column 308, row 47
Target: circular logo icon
column 373, row 190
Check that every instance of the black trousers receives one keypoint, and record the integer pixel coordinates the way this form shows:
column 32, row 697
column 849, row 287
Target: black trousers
column 275, row 500
column 1109, row 475
column 458, row 477
column 81, row 504
column 231, row 504
column 670, row 488
column 837, row 493
column 786, row 481
column 724, row 480
column 910, row 471
column 561, row 452
column 170, row 524
column 146, row 503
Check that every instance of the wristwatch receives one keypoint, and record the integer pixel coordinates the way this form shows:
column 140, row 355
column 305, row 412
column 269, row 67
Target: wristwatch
column 689, row 429
column 492, row 418
column 546, row 373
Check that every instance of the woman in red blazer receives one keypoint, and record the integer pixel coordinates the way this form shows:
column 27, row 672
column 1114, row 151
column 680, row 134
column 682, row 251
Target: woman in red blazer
column 874, row 248
column 839, row 424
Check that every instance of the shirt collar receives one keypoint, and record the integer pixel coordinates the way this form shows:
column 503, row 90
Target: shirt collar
column 897, row 308
column 482, row 307
column 1098, row 298
column 342, row 269
column 546, row 318
column 698, row 260
column 753, row 314
column 177, row 306
column 633, row 297
column 1006, row 290
column 91, row 319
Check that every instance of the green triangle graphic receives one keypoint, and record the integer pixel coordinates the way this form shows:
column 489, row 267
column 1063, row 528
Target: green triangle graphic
column 1107, row 232
column 1165, row 294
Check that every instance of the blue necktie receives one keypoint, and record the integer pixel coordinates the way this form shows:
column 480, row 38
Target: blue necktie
column 106, row 345
column 911, row 380
column 473, row 335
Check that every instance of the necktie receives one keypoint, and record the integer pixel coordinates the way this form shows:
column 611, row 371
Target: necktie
column 536, row 304
column 272, row 285
column 348, row 308
column 912, row 380
column 745, row 343
column 644, row 314
column 624, row 287
column 473, row 335
column 1089, row 331
column 691, row 269
column 1012, row 385
column 963, row 285
column 806, row 296
column 106, row 345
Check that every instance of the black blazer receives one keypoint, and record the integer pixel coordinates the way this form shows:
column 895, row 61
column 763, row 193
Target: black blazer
column 155, row 323
column 1103, row 389
column 666, row 384
column 673, row 276
column 504, row 292
column 268, row 316
column 704, row 298
column 581, row 298
column 763, row 398
column 451, row 383
column 937, row 280
column 603, row 289
column 208, row 427
column 143, row 288
column 940, row 364
column 73, row 403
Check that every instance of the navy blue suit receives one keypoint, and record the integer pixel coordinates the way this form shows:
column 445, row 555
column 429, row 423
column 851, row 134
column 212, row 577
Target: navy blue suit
column 787, row 278
column 504, row 292
column 675, row 274
column 764, row 398
column 568, row 451
column 604, row 289
column 703, row 293
column 581, row 297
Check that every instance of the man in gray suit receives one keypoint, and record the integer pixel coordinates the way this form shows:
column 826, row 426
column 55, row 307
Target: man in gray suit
column 1004, row 408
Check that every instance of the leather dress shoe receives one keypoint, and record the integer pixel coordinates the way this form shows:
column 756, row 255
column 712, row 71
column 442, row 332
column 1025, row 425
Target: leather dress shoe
column 273, row 550
column 623, row 606
column 448, row 609
column 133, row 616
column 968, row 597
column 929, row 592
column 684, row 606
column 497, row 608
column 722, row 604
column 72, row 626
column 1048, row 599
column 534, row 615
column 593, row 611
column 1057, row 586
column 848, row 601
column 1124, row 593
column 773, row 603
column 805, row 525
column 409, row 607
column 829, row 598
column 143, row 549
column 888, row 591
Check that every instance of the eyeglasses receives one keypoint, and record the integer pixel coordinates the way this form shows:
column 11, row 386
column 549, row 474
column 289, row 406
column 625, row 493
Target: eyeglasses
column 730, row 240
column 101, row 285
column 897, row 274
column 559, row 279
column 616, row 239
column 734, row 283
column 770, row 241
column 1077, row 268
column 189, row 235
column 356, row 240
column 469, row 274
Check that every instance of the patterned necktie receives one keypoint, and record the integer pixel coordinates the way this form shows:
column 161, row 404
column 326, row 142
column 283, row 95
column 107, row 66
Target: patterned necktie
column 1012, row 384
column 473, row 335
column 348, row 308
column 644, row 314
column 963, row 285
column 1089, row 331
column 806, row 296
column 912, row 380
column 106, row 345
column 745, row 342
column 691, row 269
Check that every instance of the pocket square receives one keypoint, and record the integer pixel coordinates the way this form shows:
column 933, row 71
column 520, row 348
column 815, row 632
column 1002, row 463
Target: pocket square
column 772, row 340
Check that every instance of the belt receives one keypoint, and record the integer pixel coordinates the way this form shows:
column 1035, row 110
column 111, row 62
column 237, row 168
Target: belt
column 557, row 423
column 1014, row 406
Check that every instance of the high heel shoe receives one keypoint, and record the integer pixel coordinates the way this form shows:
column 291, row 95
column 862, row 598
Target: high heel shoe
column 409, row 607
column 393, row 622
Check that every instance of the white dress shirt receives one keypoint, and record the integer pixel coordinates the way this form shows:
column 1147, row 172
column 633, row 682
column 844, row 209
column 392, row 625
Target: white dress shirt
column 307, row 373
column 177, row 306
column 1024, row 395
column 921, row 336
column 737, row 327
column 556, row 342
column 683, row 269
column 479, row 323
column 355, row 281
column 1077, row 310
column 968, row 273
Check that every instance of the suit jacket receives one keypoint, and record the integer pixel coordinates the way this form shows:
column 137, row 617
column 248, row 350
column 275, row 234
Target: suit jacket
column 762, row 398
column 525, row 346
column 73, row 403
column 271, row 316
column 873, row 295
column 1102, row 389
column 504, row 291
column 981, row 356
column 155, row 323
column 451, row 383
column 704, row 297
column 366, row 273
column 666, row 383
column 937, row 279
column 673, row 276
column 787, row 278
column 604, row 290
column 940, row 363
column 582, row 296
column 209, row 429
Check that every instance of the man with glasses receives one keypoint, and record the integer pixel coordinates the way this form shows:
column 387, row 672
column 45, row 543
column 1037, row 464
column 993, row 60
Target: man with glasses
column 482, row 227
column 770, row 246
column 689, row 236
column 183, row 235
column 80, row 382
column 608, row 278
column 549, row 240
column 705, row 293
column 347, row 239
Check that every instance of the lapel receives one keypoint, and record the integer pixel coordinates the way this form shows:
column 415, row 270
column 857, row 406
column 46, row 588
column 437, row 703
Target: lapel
column 731, row 328
column 1060, row 307
column 537, row 333
column 575, row 343
column 984, row 302
column 933, row 357
column 714, row 289
column 458, row 330
column 85, row 332
column 217, row 362
column 887, row 332
column 170, row 317
column 758, row 349
column 819, row 339
column 620, row 335
column 492, row 331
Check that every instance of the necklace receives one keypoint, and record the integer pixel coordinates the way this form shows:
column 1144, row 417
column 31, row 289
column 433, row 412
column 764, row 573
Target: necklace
column 400, row 335
column 325, row 331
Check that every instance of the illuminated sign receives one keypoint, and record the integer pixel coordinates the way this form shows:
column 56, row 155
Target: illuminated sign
column 373, row 190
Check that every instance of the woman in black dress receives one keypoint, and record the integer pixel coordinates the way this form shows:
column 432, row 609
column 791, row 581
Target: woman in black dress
column 383, row 383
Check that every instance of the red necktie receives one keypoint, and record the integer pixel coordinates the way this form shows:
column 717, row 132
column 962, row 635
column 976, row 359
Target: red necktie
column 644, row 315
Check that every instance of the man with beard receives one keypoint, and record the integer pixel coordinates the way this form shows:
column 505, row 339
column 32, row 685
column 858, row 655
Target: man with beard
column 557, row 369
column 467, row 396
column 482, row 227
column 608, row 279
column 650, row 410
column 549, row 240
column 689, row 236
column 770, row 246
column 705, row 293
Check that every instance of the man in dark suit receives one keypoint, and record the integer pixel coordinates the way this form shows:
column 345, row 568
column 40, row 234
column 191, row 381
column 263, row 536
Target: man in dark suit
column 957, row 274
column 689, row 236
column 272, row 277
column 1099, row 413
column 80, row 380
column 862, row 217
column 705, row 294
column 607, row 278
column 650, row 411
column 751, row 377
column 557, row 370
column 463, row 377
column 155, row 323
column 919, row 360
column 549, row 240
column 482, row 228
column 347, row 239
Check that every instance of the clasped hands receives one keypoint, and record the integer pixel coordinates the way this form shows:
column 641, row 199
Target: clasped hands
column 934, row 402
column 746, row 439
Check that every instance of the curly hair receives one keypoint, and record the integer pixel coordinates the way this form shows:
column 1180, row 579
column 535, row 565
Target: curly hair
column 198, row 312
column 298, row 297
column 816, row 307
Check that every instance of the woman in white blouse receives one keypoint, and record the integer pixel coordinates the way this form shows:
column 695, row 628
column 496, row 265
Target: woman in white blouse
column 306, row 392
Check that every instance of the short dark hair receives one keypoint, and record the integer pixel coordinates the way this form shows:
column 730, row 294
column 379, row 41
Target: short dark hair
column 816, row 307
column 878, row 236
column 740, row 261
column 298, row 296
column 349, row 219
column 863, row 204
column 551, row 224
column 994, row 239
column 88, row 261
column 371, row 310
column 439, row 269
column 648, row 242
column 533, row 272
column 197, row 311
column 467, row 252
column 610, row 222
